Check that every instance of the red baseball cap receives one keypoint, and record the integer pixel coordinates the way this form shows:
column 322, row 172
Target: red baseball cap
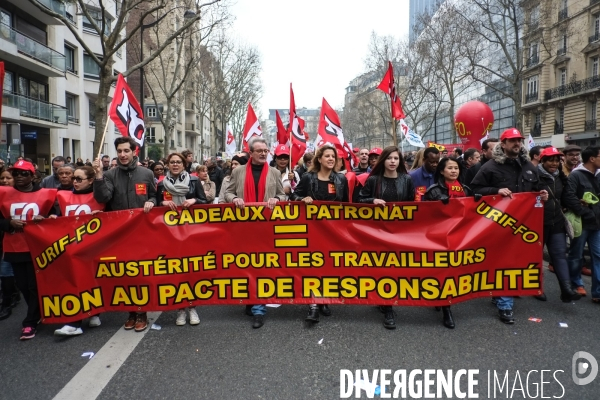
column 375, row 150
column 282, row 150
column 511, row 133
column 549, row 152
column 355, row 150
column 23, row 165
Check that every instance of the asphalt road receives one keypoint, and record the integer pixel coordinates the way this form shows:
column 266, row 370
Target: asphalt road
column 224, row 358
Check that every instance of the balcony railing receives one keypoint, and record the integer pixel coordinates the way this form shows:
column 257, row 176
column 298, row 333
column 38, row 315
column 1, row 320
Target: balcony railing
column 73, row 119
column 532, row 61
column 54, row 5
column 559, row 128
column 561, row 52
column 562, row 14
column 531, row 97
column 536, row 131
column 573, row 88
column 189, row 127
column 590, row 125
column 592, row 2
column 533, row 25
column 33, row 49
column 34, row 108
column 595, row 37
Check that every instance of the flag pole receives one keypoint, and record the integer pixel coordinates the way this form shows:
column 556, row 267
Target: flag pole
column 394, row 135
column 103, row 136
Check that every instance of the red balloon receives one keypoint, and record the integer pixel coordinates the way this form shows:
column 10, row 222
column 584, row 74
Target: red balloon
column 473, row 121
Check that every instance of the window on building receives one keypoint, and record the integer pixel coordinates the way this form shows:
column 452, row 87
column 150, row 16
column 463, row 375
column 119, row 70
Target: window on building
column 562, row 76
column 70, row 58
column 593, row 107
column 92, row 112
column 151, row 112
column 563, row 43
column 90, row 68
column 151, row 135
column 534, row 17
column 5, row 18
column 179, row 116
column 532, row 85
column 9, row 82
column 71, row 104
column 596, row 26
column 594, row 66
column 561, row 116
column 179, row 139
column 97, row 17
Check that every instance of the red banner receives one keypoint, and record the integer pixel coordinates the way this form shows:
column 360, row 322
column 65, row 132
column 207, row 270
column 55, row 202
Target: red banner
column 399, row 254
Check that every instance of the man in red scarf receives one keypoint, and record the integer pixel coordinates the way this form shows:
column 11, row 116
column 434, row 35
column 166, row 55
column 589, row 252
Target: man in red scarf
column 256, row 183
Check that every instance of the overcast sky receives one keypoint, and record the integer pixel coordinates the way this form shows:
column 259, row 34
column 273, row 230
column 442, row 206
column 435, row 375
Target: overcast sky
column 321, row 52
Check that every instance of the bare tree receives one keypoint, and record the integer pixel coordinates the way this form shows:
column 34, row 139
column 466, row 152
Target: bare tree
column 114, row 38
column 443, row 46
column 509, row 40
column 235, row 82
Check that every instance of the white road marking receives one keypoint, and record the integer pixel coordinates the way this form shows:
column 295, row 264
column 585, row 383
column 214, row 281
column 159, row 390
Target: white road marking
column 91, row 379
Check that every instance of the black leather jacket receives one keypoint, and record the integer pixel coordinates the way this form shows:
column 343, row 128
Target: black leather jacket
column 309, row 183
column 375, row 187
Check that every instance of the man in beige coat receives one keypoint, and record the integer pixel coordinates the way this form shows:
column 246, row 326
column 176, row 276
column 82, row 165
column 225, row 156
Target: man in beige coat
column 273, row 192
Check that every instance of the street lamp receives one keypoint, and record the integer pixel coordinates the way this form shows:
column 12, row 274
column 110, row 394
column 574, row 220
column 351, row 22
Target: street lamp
column 189, row 14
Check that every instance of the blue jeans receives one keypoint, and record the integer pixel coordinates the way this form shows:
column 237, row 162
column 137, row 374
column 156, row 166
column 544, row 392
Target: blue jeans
column 504, row 303
column 6, row 269
column 575, row 259
column 259, row 309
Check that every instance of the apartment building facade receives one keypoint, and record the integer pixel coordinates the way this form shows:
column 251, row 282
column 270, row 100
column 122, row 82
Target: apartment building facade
column 562, row 81
column 50, row 84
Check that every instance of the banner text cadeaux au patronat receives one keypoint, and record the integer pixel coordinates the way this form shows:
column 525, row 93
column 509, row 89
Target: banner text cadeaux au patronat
column 422, row 253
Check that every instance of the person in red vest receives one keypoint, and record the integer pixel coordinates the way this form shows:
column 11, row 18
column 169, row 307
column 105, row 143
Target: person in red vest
column 79, row 201
column 25, row 202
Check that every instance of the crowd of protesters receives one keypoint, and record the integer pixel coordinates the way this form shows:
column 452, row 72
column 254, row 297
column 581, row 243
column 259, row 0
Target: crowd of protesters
column 565, row 181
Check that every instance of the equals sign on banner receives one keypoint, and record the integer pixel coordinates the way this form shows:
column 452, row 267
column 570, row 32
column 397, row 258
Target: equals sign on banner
column 291, row 229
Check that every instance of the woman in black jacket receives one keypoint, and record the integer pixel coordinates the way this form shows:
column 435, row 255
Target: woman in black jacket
column 180, row 189
column 447, row 187
column 321, row 182
column 389, row 182
column 553, row 179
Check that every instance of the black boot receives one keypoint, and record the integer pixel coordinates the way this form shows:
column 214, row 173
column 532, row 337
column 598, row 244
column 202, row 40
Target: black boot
column 324, row 309
column 313, row 315
column 388, row 318
column 5, row 312
column 567, row 294
column 447, row 317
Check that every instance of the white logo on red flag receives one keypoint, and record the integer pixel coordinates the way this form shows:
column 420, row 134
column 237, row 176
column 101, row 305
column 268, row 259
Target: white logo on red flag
column 126, row 112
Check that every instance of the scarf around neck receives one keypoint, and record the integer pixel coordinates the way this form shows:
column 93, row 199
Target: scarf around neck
column 250, row 195
column 178, row 187
column 546, row 173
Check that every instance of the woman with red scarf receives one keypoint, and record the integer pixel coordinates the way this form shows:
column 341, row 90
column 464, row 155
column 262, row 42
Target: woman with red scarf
column 447, row 187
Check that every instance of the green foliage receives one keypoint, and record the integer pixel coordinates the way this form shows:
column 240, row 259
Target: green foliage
column 155, row 152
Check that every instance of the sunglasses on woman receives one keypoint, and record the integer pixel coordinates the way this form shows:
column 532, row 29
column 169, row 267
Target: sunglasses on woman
column 78, row 179
column 19, row 172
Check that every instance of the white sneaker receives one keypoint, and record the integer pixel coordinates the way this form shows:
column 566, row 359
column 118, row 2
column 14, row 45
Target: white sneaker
column 194, row 319
column 180, row 317
column 95, row 321
column 68, row 330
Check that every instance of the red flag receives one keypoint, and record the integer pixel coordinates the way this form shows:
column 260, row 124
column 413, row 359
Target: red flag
column 330, row 131
column 251, row 127
column 387, row 85
column 282, row 136
column 297, row 136
column 1, row 87
column 126, row 113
